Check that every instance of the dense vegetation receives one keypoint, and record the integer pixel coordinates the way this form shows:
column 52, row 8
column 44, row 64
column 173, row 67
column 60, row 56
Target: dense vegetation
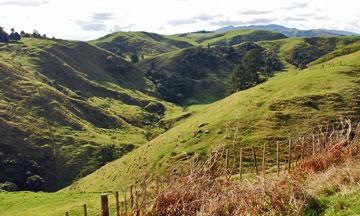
column 199, row 74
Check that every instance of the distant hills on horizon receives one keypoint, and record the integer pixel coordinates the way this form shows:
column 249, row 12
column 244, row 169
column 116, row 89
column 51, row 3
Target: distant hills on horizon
column 290, row 32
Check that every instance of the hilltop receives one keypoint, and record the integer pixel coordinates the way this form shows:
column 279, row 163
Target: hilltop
column 291, row 32
column 144, row 44
column 141, row 44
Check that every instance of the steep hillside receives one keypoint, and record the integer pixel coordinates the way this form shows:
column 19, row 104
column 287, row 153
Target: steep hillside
column 141, row 44
column 67, row 108
column 290, row 32
column 203, row 75
column 287, row 105
column 301, row 51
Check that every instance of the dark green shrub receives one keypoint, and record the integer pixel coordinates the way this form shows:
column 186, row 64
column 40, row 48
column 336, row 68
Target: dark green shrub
column 8, row 186
column 4, row 37
column 35, row 182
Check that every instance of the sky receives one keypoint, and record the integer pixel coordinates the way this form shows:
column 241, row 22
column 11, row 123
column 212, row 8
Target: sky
column 90, row 19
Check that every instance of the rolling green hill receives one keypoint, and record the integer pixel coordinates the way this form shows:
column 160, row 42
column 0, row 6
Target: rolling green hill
column 230, row 38
column 202, row 75
column 67, row 108
column 301, row 51
column 291, row 32
column 287, row 105
column 145, row 45
column 71, row 107
column 142, row 44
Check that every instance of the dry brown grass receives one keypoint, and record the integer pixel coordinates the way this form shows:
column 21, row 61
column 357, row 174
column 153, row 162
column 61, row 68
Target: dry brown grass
column 202, row 193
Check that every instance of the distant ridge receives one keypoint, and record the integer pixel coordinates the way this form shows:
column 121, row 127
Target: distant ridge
column 290, row 32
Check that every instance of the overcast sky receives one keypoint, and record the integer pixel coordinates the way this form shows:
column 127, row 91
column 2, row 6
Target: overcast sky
column 89, row 19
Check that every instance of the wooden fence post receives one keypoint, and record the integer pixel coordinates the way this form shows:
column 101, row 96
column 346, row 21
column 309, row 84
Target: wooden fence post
column 241, row 161
column 227, row 160
column 226, row 131
column 277, row 159
column 264, row 161
column 117, row 206
column 143, row 201
column 67, row 213
column 254, row 158
column 289, row 162
column 131, row 198
column 313, row 144
column 302, row 149
column 233, row 145
column 157, row 190
column 104, row 205
column 125, row 203
column 85, row 210
column 136, row 202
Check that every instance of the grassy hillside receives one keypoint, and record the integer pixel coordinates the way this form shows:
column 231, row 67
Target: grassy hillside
column 301, row 51
column 202, row 75
column 44, row 204
column 291, row 32
column 230, row 38
column 68, row 108
column 285, row 106
column 145, row 44
column 142, row 44
column 324, row 183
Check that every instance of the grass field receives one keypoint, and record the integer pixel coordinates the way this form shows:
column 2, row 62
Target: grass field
column 54, row 204
column 272, row 111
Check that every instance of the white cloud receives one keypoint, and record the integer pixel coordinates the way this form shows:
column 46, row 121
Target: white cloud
column 89, row 19
column 23, row 3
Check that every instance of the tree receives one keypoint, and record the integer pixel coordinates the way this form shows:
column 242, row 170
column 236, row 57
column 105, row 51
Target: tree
column 35, row 182
column 252, row 60
column 14, row 35
column 4, row 37
column 8, row 186
column 134, row 58
column 243, row 78
column 24, row 34
column 36, row 34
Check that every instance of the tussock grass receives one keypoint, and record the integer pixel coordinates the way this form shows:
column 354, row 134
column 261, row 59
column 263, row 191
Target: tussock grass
column 295, row 193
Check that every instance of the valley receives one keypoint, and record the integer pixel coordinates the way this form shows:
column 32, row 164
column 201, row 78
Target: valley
column 81, row 118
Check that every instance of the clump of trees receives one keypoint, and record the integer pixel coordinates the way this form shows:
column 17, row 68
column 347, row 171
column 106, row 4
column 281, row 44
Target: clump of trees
column 310, row 50
column 15, row 36
column 4, row 36
column 134, row 58
column 255, row 66
column 245, row 66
